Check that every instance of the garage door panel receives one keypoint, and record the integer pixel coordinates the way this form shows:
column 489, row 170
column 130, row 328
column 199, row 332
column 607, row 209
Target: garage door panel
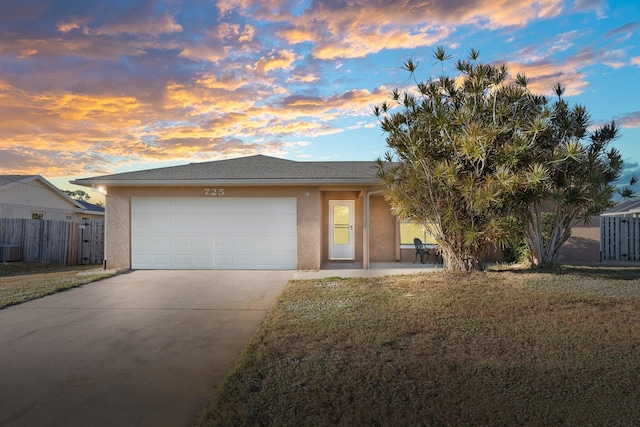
column 163, row 242
column 185, row 225
column 145, row 241
column 203, row 261
column 275, row 223
column 184, row 241
column 203, row 242
column 160, row 223
column 266, row 259
column 245, row 260
column 223, row 222
column 244, row 242
column 244, row 223
column 213, row 233
column 223, row 261
column 202, row 222
column 161, row 259
column 183, row 259
column 223, row 242
column 275, row 241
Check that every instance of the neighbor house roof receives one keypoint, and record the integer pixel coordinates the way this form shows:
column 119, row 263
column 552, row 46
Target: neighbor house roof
column 7, row 181
column 91, row 207
column 253, row 170
column 15, row 179
column 625, row 208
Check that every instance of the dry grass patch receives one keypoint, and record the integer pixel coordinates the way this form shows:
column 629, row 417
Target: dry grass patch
column 493, row 348
column 21, row 282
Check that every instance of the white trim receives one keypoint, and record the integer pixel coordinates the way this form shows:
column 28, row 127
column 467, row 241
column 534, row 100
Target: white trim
column 222, row 182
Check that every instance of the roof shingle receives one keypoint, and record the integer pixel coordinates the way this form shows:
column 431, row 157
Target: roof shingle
column 257, row 169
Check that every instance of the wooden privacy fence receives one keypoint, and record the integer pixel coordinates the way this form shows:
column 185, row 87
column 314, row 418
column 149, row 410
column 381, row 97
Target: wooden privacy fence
column 620, row 238
column 55, row 242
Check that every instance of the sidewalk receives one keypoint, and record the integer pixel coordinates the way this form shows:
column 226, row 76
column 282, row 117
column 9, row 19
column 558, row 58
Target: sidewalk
column 377, row 269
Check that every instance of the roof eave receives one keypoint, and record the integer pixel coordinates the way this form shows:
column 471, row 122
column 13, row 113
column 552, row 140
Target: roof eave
column 219, row 182
column 89, row 212
column 620, row 213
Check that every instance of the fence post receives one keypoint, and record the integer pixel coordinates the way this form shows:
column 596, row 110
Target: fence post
column 636, row 238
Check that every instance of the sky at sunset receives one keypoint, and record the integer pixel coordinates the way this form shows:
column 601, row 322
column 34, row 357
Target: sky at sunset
column 97, row 87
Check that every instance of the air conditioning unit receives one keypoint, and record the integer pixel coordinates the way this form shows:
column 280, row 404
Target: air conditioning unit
column 10, row 253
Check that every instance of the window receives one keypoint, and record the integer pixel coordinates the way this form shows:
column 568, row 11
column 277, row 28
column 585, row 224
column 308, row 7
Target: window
column 37, row 215
column 409, row 231
column 68, row 217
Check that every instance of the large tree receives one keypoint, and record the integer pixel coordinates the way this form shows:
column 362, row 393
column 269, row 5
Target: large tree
column 582, row 172
column 480, row 161
column 460, row 154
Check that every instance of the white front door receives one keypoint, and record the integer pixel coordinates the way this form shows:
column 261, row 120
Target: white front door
column 341, row 233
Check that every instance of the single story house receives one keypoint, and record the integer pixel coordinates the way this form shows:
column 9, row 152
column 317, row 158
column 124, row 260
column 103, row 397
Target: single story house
column 255, row 212
column 33, row 197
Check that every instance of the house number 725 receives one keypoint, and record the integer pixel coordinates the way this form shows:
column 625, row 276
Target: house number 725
column 214, row 191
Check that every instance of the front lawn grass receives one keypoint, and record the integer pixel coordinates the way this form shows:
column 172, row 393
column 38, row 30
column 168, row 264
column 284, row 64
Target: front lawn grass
column 494, row 348
column 24, row 281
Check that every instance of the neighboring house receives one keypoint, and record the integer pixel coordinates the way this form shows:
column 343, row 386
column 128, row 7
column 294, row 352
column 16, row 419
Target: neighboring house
column 628, row 208
column 33, row 197
column 254, row 212
column 620, row 232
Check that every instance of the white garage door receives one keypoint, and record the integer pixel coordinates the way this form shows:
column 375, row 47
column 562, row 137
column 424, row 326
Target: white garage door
column 256, row 233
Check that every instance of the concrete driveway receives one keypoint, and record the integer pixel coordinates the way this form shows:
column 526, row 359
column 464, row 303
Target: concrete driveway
column 146, row 348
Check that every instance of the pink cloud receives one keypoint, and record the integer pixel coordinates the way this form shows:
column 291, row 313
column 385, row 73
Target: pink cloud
column 587, row 5
column 152, row 26
column 143, row 25
column 362, row 27
column 90, row 49
column 275, row 60
column 74, row 24
column 629, row 120
column 625, row 31
column 544, row 71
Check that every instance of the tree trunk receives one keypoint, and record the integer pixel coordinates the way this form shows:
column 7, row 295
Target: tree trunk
column 457, row 260
column 546, row 239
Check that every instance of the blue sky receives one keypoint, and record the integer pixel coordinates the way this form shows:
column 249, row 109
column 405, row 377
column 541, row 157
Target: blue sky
column 97, row 87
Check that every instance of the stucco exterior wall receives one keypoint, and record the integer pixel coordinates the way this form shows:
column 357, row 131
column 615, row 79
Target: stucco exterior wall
column 383, row 231
column 584, row 243
column 117, row 251
column 118, row 202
